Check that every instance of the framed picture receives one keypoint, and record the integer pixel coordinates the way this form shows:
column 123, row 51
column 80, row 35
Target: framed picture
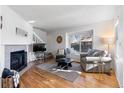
column 1, row 22
column 21, row 32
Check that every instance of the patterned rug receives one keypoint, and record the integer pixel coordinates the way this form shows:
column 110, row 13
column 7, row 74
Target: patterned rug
column 71, row 74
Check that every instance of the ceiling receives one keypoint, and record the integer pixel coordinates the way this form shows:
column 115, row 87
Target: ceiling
column 55, row 17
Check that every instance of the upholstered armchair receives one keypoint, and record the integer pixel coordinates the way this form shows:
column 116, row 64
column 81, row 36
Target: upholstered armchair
column 62, row 53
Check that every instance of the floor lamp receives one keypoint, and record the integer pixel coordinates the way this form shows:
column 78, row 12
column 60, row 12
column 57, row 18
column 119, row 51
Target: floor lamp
column 109, row 41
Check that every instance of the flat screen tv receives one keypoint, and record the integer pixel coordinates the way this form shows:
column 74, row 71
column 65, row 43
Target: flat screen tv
column 39, row 47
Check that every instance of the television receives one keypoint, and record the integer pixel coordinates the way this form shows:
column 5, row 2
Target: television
column 39, row 47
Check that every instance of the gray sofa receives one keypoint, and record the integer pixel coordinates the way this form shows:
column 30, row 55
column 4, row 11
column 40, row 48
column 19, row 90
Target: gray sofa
column 88, row 59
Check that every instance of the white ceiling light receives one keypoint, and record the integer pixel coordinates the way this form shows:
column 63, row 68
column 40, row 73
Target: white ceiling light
column 31, row 22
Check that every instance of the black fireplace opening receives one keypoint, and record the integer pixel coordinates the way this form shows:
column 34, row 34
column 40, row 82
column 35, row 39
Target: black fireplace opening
column 18, row 60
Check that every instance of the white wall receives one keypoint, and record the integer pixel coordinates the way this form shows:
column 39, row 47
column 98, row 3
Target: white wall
column 8, row 36
column 52, row 44
column 100, row 29
column 0, row 29
column 11, row 20
column 119, row 54
column 1, row 48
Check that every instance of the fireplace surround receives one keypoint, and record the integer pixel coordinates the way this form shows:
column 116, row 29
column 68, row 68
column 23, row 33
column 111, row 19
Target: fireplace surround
column 18, row 60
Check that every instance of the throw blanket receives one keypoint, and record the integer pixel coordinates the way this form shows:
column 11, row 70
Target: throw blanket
column 15, row 78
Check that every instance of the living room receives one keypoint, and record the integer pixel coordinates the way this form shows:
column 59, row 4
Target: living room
column 40, row 38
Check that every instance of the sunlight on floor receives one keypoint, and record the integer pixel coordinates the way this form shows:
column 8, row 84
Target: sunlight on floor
column 56, row 70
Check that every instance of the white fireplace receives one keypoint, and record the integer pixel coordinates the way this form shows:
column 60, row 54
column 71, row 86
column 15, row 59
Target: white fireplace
column 12, row 48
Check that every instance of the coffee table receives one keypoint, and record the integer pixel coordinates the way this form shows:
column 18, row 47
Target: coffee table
column 64, row 63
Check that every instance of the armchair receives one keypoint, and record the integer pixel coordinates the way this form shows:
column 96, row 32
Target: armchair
column 62, row 53
column 63, row 58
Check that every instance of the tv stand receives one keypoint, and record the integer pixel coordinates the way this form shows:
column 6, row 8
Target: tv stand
column 40, row 55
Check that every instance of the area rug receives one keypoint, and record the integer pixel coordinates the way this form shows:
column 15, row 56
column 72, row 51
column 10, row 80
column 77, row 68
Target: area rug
column 71, row 74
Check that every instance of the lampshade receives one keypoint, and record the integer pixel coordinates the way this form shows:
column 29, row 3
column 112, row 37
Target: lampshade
column 107, row 40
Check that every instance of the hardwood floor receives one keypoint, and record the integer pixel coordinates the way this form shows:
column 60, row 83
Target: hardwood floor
column 37, row 78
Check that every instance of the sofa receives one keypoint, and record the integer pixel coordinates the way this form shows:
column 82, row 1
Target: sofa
column 93, row 56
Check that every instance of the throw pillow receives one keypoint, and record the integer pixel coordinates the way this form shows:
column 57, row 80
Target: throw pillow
column 95, row 53
column 61, row 51
column 91, row 51
column 105, row 53
column 98, row 53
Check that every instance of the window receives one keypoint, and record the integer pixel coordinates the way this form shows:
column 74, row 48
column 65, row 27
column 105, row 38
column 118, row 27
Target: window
column 80, row 41
column 75, row 46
